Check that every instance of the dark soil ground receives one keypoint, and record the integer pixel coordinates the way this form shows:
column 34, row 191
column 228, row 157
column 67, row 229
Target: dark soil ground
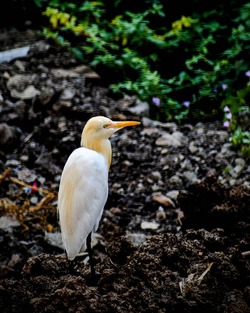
column 175, row 232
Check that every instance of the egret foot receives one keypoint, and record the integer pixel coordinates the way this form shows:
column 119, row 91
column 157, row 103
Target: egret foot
column 72, row 268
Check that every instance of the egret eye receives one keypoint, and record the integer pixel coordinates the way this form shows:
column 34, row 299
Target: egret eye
column 106, row 125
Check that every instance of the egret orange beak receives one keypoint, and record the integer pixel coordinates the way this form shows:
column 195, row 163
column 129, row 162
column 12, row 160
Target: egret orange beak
column 119, row 125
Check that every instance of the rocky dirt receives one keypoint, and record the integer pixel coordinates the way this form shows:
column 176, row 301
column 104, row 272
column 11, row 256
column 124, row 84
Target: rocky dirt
column 174, row 236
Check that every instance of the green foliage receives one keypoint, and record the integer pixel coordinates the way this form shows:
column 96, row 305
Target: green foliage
column 241, row 140
column 183, row 55
column 239, row 118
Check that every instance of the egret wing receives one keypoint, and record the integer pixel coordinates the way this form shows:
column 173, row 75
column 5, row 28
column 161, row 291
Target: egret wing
column 82, row 195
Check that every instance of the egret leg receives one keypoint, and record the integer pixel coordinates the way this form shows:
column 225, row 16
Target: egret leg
column 72, row 270
column 90, row 252
column 72, row 267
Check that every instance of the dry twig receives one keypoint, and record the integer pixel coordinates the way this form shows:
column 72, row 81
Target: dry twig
column 25, row 211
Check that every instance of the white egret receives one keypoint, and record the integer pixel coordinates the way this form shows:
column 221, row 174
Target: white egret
column 83, row 189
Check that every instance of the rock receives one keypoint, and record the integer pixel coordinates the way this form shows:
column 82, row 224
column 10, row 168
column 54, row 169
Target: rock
column 7, row 134
column 34, row 200
column 173, row 194
column 161, row 214
column 15, row 259
column 82, row 70
column 240, row 162
column 127, row 164
column 136, row 238
column 62, row 73
column 26, row 175
column 13, row 163
column 149, row 225
column 232, row 182
column 54, row 239
column 125, row 102
column 160, row 198
column 19, row 82
column 164, row 151
column 28, row 93
column 175, row 180
column 8, row 222
column 61, row 104
column 9, row 55
column 186, row 164
column 170, row 127
column 236, row 171
column 155, row 175
column 219, row 134
column 141, row 108
column 192, row 147
column 176, row 139
column 190, row 177
column 226, row 152
column 20, row 65
column 148, row 123
column 68, row 94
column 155, row 187
column 150, row 130
column 45, row 96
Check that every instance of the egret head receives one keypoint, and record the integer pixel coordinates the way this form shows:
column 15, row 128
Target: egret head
column 97, row 131
column 100, row 127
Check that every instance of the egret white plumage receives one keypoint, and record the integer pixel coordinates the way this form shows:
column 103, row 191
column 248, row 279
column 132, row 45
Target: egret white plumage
column 83, row 189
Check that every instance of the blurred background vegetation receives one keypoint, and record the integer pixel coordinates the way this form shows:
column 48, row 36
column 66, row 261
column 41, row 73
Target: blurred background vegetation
column 188, row 59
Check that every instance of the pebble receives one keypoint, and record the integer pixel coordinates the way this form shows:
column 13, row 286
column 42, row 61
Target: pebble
column 219, row 134
column 28, row 93
column 54, row 239
column 147, row 122
column 24, row 158
column 12, row 163
column 240, row 162
column 236, row 171
column 175, row 180
column 164, row 200
column 190, row 177
column 20, row 81
column 136, row 238
column 15, row 259
column 164, row 151
column 141, row 108
column 8, row 222
column 7, row 134
column 26, row 175
column 149, row 225
column 173, row 194
column 171, row 127
column 126, row 163
column 192, row 147
column 161, row 214
column 12, row 54
column 68, row 94
column 149, row 131
column 155, row 175
column 155, row 187
column 175, row 140
column 34, row 200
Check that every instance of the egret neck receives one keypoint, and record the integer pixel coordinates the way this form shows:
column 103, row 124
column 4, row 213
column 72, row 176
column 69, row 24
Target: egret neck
column 91, row 140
